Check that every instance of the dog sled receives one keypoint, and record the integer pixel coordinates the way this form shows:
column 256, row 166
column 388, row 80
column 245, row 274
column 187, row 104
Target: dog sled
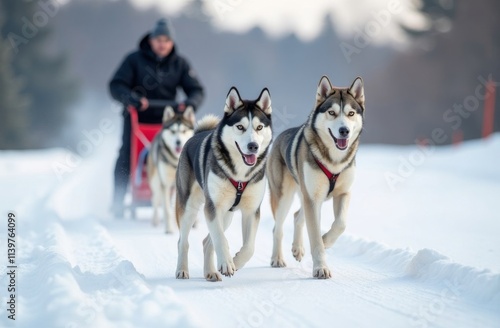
column 142, row 135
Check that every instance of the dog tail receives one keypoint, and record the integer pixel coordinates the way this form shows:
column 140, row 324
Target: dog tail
column 208, row 122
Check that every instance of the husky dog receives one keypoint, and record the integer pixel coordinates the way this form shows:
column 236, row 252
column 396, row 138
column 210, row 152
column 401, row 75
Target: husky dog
column 316, row 159
column 163, row 158
column 223, row 166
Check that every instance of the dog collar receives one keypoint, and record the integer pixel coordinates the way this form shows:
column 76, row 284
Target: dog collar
column 240, row 187
column 332, row 177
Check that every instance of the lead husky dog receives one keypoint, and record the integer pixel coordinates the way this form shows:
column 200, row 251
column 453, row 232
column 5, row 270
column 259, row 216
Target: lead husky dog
column 223, row 166
column 316, row 159
column 163, row 157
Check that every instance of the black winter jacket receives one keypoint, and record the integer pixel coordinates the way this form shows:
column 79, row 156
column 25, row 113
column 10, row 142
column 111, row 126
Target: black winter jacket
column 143, row 74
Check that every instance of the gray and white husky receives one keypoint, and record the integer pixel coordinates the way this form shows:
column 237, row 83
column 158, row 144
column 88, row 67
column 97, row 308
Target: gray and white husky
column 163, row 158
column 316, row 159
column 223, row 166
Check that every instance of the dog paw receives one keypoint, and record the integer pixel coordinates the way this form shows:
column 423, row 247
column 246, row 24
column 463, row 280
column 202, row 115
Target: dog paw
column 182, row 274
column 278, row 262
column 213, row 276
column 169, row 231
column 298, row 252
column 322, row 272
column 242, row 257
column 227, row 268
column 238, row 261
column 155, row 222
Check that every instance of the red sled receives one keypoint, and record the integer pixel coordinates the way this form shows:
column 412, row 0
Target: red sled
column 141, row 137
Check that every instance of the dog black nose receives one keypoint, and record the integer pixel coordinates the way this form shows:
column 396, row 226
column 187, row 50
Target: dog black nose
column 253, row 147
column 178, row 143
column 344, row 132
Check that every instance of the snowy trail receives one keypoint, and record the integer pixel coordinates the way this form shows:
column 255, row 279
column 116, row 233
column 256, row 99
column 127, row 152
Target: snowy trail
column 78, row 268
column 259, row 295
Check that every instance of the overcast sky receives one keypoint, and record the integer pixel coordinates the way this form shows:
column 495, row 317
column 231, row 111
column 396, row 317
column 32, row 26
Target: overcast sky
column 305, row 19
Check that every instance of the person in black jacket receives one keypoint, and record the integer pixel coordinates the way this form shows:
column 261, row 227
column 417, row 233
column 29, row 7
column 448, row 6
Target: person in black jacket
column 155, row 71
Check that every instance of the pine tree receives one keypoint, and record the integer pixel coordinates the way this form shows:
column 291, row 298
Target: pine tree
column 50, row 90
column 13, row 115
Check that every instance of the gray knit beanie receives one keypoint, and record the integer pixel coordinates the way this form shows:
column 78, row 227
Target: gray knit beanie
column 163, row 27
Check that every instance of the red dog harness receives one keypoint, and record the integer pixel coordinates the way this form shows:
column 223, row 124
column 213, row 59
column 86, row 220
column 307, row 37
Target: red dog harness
column 240, row 187
column 332, row 178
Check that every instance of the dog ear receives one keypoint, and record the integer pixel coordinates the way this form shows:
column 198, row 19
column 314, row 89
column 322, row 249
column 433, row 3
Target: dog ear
column 264, row 101
column 189, row 115
column 233, row 101
column 168, row 113
column 357, row 91
column 324, row 89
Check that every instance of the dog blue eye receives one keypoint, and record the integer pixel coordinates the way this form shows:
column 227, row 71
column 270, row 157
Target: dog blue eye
column 239, row 127
column 331, row 112
column 351, row 114
column 259, row 127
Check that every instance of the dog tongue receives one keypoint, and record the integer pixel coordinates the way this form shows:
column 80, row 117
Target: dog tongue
column 342, row 143
column 178, row 150
column 250, row 159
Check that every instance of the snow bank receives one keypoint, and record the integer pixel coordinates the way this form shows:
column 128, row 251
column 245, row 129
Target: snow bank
column 70, row 272
column 447, row 200
column 73, row 276
column 425, row 265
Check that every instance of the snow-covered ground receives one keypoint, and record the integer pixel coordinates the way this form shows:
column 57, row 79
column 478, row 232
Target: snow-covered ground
column 422, row 248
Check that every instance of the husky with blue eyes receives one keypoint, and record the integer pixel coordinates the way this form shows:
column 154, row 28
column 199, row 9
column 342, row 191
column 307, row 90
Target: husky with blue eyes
column 222, row 166
column 317, row 160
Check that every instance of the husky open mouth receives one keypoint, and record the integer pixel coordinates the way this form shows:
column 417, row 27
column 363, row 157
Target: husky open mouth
column 340, row 143
column 248, row 159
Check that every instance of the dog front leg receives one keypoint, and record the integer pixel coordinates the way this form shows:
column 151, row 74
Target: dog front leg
column 283, row 200
column 185, row 223
column 313, row 220
column 156, row 196
column 167, row 209
column 215, row 223
column 209, row 270
column 298, row 250
column 340, row 206
column 249, row 227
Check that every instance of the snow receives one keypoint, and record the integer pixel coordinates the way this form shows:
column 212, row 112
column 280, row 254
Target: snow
column 422, row 252
column 449, row 203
